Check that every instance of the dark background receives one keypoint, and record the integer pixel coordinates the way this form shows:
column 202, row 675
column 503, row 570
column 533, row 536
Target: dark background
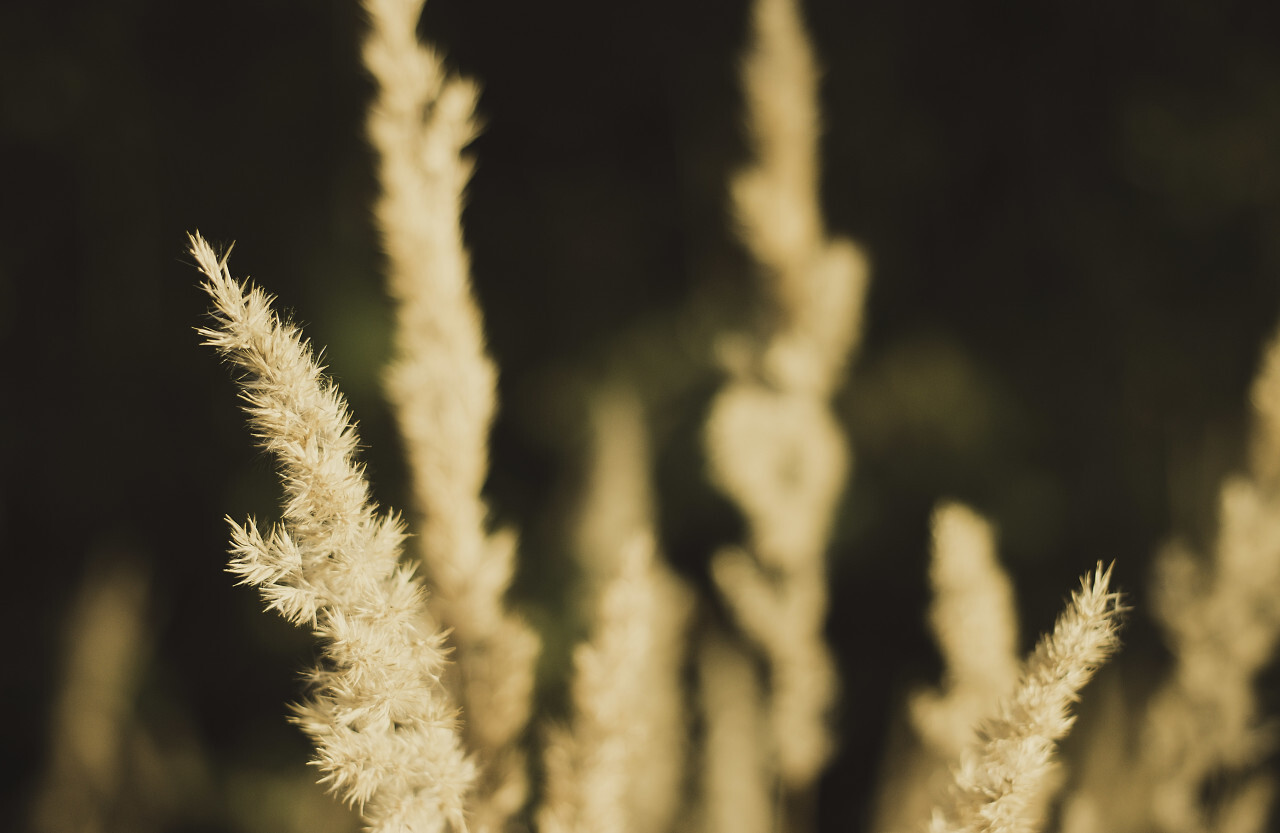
column 1072, row 211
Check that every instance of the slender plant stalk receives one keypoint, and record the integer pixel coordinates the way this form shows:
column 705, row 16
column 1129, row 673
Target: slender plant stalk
column 619, row 763
column 774, row 446
column 94, row 714
column 1002, row 776
column 442, row 386
column 593, row 765
column 735, row 778
column 974, row 623
column 1222, row 621
column 386, row 737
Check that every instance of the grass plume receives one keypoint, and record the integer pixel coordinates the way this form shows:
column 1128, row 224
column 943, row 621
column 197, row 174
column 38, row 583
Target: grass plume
column 385, row 735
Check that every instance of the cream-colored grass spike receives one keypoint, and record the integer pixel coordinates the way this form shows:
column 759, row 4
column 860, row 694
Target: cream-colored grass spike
column 105, row 645
column 1222, row 621
column 595, row 766
column 975, row 626
column 1003, row 774
column 442, row 387
column 619, row 764
column 1221, row 624
column 1201, row 739
column 735, row 780
column 774, row 446
column 615, row 501
column 814, row 283
column 384, row 730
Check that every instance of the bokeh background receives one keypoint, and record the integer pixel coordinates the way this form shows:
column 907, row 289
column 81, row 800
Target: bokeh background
column 1072, row 211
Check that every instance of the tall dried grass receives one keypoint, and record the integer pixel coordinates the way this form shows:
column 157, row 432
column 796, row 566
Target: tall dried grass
column 678, row 720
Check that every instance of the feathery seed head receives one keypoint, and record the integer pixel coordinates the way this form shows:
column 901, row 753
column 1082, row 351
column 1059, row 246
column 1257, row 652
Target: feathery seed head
column 385, row 735
column 1002, row 775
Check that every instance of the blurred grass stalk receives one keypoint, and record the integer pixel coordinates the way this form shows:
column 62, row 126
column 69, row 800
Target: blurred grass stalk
column 773, row 443
column 442, row 389
column 91, row 754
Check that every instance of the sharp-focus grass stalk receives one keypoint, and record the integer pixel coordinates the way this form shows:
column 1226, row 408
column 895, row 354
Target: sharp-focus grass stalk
column 385, row 734
column 1001, row 777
